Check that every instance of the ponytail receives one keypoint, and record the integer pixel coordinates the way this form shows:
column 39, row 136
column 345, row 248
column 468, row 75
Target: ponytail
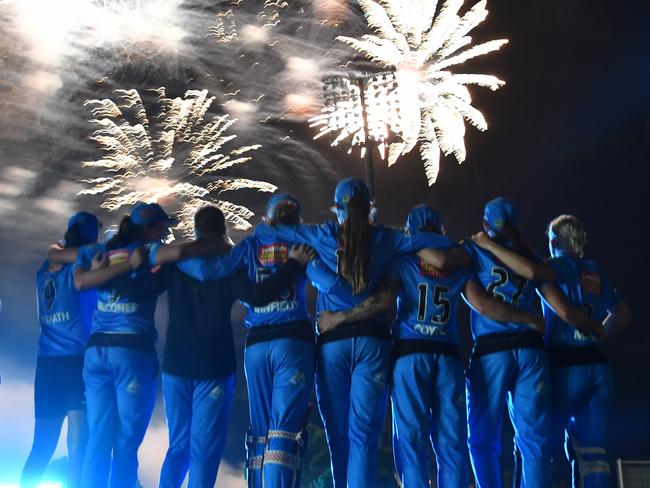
column 127, row 234
column 354, row 241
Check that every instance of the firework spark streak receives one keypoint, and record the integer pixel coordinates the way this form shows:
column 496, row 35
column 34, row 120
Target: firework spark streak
column 420, row 46
column 176, row 157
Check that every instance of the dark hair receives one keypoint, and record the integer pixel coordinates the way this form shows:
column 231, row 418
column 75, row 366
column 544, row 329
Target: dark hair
column 74, row 237
column 127, row 234
column 354, row 241
column 286, row 213
column 210, row 220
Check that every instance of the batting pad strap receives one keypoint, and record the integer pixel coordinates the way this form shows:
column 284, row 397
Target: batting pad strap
column 594, row 467
column 286, row 435
column 254, row 462
column 252, row 440
column 590, row 450
column 282, row 458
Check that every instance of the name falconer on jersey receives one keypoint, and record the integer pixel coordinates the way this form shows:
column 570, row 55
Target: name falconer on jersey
column 112, row 305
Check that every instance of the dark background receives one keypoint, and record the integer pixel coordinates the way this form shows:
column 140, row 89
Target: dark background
column 569, row 133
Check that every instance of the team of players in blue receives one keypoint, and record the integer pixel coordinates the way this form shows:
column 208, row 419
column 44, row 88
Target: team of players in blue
column 386, row 325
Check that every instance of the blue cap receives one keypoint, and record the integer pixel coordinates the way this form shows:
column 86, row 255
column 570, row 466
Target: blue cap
column 279, row 198
column 88, row 225
column 496, row 213
column 423, row 216
column 348, row 188
column 345, row 190
column 150, row 213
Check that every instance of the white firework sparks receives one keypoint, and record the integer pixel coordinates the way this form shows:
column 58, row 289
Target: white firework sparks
column 175, row 160
column 420, row 46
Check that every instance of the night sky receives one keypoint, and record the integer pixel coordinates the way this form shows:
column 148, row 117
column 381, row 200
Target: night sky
column 569, row 133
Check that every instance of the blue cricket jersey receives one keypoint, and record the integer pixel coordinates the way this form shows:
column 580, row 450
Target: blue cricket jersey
column 127, row 303
column 428, row 299
column 503, row 284
column 260, row 257
column 386, row 243
column 584, row 284
column 65, row 314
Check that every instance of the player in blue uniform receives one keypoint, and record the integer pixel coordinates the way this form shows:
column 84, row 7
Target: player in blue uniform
column 508, row 365
column 353, row 360
column 279, row 355
column 428, row 381
column 581, row 378
column 120, row 366
column 65, row 317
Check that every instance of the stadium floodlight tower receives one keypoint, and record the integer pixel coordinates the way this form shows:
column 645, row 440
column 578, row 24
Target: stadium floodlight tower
column 363, row 110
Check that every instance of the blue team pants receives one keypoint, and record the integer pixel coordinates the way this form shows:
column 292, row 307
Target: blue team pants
column 120, row 395
column 428, row 401
column 197, row 417
column 520, row 378
column 280, row 380
column 581, row 399
column 351, row 388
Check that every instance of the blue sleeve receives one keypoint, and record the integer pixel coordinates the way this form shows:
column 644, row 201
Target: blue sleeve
column 85, row 257
column 610, row 296
column 321, row 276
column 215, row 267
column 310, row 234
column 404, row 243
column 392, row 271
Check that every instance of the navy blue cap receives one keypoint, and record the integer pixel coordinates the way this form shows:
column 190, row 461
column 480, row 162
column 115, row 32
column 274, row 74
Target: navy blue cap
column 423, row 216
column 150, row 213
column 496, row 213
column 279, row 198
column 88, row 225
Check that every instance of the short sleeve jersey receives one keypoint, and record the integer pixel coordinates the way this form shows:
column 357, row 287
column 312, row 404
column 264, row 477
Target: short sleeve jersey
column 385, row 244
column 127, row 303
column 64, row 314
column 504, row 284
column 427, row 303
column 585, row 285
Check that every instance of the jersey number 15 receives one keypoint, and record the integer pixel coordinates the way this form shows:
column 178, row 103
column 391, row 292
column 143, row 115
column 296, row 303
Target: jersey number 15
column 439, row 300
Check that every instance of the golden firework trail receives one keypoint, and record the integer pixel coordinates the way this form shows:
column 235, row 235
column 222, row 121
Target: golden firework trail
column 422, row 43
column 175, row 157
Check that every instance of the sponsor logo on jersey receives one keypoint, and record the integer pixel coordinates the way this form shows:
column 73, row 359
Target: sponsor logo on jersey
column 590, row 282
column 298, row 378
column 276, row 253
column 430, row 271
column 49, row 294
column 279, row 306
column 118, row 256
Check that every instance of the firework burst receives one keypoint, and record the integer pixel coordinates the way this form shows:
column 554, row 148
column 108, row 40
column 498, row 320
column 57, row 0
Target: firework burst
column 421, row 46
column 177, row 157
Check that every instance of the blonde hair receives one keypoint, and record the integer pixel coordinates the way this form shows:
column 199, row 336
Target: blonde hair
column 570, row 234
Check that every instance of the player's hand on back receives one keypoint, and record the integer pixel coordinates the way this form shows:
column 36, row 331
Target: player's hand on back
column 537, row 323
column 302, row 254
column 328, row 321
column 482, row 239
column 138, row 257
column 100, row 260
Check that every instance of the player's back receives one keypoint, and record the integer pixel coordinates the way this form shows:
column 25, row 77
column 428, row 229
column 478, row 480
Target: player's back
column 428, row 299
column 503, row 284
column 585, row 285
column 265, row 255
column 64, row 313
